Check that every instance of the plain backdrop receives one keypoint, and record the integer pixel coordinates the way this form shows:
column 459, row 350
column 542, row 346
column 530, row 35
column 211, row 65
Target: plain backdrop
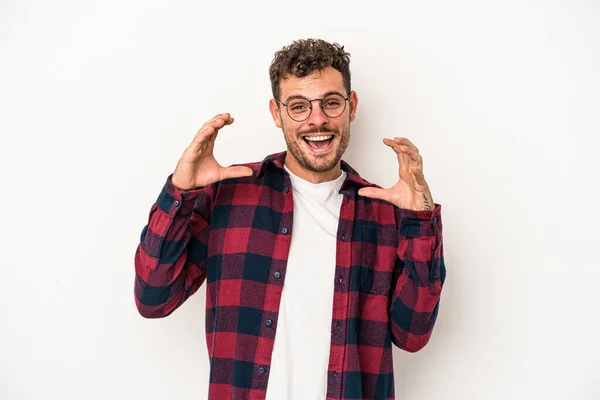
column 99, row 99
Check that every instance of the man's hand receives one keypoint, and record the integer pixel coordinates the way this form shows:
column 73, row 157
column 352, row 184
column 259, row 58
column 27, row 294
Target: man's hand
column 411, row 191
column 197, row 166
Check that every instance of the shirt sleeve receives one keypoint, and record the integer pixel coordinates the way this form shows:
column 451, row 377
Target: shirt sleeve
column 170, row 260
column 418, row 277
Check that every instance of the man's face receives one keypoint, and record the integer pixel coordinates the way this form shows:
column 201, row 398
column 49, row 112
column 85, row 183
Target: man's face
column 317, row 143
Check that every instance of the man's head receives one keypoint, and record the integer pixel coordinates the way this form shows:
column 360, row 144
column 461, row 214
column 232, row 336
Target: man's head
column 316, row 132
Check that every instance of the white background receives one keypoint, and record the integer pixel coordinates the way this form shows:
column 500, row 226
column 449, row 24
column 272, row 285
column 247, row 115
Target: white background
column 99, row 99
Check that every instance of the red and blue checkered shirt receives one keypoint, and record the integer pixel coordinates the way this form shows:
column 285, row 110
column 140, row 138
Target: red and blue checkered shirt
column 236, row 234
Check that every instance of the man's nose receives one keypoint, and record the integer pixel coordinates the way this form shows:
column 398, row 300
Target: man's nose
column 317, row 117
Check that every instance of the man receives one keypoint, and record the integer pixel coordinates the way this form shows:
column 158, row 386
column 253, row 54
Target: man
column 312, row 271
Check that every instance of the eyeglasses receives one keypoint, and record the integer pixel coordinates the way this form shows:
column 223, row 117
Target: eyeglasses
column 300, row 108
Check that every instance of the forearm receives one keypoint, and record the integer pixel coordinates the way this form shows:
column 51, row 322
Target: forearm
column 171, row 257
column 428, row 203
column 420, row 276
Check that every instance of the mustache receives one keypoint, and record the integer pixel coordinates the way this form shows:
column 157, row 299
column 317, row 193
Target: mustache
column 318, row 130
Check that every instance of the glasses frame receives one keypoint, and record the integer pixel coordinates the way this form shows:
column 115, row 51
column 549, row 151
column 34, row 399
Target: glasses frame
column 311, row 106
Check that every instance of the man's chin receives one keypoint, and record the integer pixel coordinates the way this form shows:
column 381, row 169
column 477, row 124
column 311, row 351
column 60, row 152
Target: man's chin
column 320, row 163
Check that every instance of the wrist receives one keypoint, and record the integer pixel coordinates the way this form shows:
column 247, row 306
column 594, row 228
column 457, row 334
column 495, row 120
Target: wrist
column 421, row 201
column 179, row 186
column 428, row 204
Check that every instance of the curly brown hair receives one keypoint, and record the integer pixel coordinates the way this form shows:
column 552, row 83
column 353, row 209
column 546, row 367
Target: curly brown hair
column 305, row 56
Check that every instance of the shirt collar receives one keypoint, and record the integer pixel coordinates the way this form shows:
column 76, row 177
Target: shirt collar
column 278, row 160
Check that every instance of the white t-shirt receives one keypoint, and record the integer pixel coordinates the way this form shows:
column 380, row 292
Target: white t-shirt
column 302, row 342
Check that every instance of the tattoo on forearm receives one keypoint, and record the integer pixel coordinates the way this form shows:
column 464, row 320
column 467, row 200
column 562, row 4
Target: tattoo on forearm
column 427, row 205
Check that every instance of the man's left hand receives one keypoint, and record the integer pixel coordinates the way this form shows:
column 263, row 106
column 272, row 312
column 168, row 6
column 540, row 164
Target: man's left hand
column 411, row 191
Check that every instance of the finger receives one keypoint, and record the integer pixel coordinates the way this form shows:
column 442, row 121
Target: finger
column 406, row 142
column 389, row 142
column 412, row 153
column 420, row 178
column 416, row 166
column 224, row 116
column 204, row 134
column 402, row 158
column 393, row 145
column 219, row 121
column 236, row 172
column 404, row 152
column 410, row 150
column 210, row 128
column 375, row 193
column 404, row 148
column 194, row 147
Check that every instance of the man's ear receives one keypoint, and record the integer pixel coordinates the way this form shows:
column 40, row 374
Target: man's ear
column 273, row 107
column 353, row 104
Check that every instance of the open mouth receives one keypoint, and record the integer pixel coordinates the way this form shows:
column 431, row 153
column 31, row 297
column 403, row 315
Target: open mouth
column 319, row 144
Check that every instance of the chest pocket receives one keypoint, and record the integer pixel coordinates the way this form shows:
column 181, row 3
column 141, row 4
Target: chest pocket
column 377, row 259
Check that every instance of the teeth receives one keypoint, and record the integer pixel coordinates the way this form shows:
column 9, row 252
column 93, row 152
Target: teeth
column 318, row 138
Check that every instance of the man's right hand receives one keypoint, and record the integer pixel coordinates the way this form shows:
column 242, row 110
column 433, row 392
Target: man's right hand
column 197, row 166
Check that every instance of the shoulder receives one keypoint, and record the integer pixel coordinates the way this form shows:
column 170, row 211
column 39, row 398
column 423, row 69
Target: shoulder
column 262, row 170
column 275, row 159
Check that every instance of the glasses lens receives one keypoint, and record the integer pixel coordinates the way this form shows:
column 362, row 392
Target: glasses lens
column 299, row 109
column 334, row 105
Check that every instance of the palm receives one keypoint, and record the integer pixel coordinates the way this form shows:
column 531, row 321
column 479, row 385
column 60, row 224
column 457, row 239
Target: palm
column 411, row 187
column 198, row 166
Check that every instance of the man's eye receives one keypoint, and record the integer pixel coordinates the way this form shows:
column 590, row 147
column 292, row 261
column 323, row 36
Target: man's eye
column 298, row 107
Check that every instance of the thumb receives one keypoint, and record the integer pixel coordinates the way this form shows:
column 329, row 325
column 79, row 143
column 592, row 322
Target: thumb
column 236, row 172
column 374, row 193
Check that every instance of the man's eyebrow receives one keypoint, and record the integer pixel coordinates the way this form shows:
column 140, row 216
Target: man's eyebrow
column 306, row 98
column 333, row 92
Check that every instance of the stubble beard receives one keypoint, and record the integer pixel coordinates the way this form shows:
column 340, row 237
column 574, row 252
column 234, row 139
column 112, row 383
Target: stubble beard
column 318, row 163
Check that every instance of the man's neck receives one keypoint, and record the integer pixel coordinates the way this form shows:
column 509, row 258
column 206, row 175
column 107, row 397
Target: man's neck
column 311, row 176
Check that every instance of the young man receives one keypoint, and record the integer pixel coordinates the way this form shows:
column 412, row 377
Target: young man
column 312, row 271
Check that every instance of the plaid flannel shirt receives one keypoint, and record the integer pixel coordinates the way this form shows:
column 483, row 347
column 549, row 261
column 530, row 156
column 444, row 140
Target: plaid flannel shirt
column 236, row 234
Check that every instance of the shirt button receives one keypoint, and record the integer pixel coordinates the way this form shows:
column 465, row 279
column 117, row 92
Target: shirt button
column 287, row 189
column 284, row 230
column 277, row 275
column 343, row 236
column 269, row 322
column 340, row 280
column 339, row 325
column 262, row 370
column 176, row 203
column 434, row 220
